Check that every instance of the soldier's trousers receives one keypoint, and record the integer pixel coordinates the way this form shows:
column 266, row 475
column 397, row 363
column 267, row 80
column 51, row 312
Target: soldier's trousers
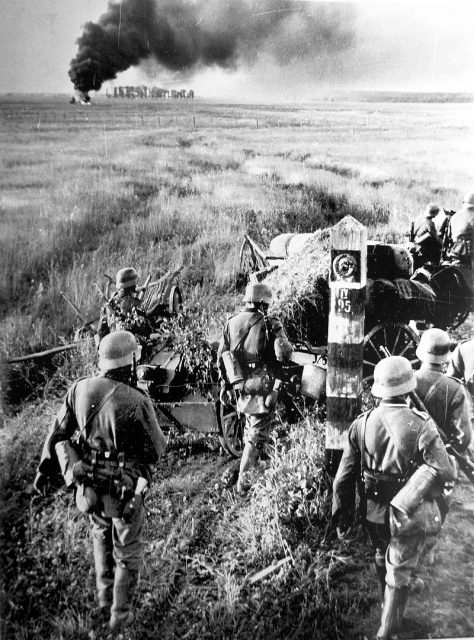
column 402, row 552
column 118, row 557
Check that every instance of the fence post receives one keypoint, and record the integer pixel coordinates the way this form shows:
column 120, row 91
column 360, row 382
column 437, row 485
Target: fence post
column 347, row 281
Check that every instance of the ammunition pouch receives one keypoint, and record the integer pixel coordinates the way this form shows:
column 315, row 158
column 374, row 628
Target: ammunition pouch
column 113, row 479
column 258, row 382
column 381, row 487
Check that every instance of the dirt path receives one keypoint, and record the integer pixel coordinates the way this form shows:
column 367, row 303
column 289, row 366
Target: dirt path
column 195, row 583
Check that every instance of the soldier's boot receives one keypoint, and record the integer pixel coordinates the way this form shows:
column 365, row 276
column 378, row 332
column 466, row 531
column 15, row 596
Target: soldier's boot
column 401, row 604
column 381, row 571
column 104, row 573
column 125, row 584
column 390, row 613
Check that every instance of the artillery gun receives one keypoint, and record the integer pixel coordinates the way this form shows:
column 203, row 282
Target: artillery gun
column 400, row 301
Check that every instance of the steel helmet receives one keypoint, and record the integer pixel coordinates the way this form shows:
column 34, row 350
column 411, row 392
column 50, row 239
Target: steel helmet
column 469, row 198
column 431, row 210
column 434, row 347
column 117, row 350
column 393, row 377
column 125, row 278
column 283, row 349
column 258, row 292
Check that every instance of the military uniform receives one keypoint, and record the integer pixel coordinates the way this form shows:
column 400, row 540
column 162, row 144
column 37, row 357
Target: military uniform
column 251, row 336
column 461, row 367
column 384, row 447
column 462, row 235
column 426, row 239
column 117, row 434
column 444, row 399
column 123, row 312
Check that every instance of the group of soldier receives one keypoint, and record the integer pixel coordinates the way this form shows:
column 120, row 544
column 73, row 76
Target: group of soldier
column 106, row 438
column 450, row 241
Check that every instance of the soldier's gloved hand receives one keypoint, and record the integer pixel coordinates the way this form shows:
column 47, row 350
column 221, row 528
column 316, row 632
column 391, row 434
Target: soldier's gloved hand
column 81, row 470
column 132, row 506
column 225, row 396
column 40, row 484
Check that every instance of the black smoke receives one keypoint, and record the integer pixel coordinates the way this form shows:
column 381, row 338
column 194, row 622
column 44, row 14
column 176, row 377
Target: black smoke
column 185, row 35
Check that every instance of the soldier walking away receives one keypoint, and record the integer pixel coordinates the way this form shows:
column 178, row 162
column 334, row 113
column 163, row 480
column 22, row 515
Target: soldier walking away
column 461, row 232
column 248, row 366
column 444, row 399
column 425, row 237
column 103, row 440
column 123, row 311
column 386, row 448
column 461, row 367
column 441, row 394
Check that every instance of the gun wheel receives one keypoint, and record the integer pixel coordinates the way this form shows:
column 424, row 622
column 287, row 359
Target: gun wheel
column 232, row 430
column 398, row 338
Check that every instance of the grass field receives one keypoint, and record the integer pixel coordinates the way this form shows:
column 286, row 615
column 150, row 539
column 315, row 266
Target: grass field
column 156, row 184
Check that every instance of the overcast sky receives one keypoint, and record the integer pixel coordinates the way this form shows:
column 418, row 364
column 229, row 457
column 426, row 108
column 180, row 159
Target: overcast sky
column 413, row 45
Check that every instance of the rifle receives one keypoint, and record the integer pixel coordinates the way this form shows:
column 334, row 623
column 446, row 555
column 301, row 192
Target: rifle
column 465, row 463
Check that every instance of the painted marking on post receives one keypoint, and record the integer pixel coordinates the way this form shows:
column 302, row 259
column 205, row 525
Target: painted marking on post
column 347, row 283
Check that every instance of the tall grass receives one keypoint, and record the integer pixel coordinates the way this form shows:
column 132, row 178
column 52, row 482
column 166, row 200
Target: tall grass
column 158, row 185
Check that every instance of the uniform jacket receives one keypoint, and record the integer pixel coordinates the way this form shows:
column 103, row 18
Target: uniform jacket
column 397, row 440
column 423, row 226
column 123, row 313
column 462, row 364
column 251, row 335
column 106, row 415
column 445, row 401
column 462, row 232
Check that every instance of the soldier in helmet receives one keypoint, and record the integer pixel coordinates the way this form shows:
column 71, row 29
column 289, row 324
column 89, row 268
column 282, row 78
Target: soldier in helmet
column 442, row 395
column 425, row 237
column 247, row 360
column 384, row 447
column 461, row 231
column 103, row 440
column 124, row 310
column 461, row 367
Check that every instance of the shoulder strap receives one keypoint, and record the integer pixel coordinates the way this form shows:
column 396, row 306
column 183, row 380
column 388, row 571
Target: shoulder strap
column 96, row 409
column 243, row 332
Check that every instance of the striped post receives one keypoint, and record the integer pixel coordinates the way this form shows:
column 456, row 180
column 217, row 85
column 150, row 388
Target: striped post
column 347, row 283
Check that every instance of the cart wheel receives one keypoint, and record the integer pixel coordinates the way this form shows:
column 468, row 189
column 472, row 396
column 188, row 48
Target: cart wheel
column 232, row 429
column 248, row 260
column 398, row 338
column 175, row 300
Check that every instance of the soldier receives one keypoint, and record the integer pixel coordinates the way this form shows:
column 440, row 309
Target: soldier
column 384, row 447
column 461, row 367
column 124, row 311
column 119, row 438
column 462, row 230
column 247, row 363
column 425, row 236
column 442, row 395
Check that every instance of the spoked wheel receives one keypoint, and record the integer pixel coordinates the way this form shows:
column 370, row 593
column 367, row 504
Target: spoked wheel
column 398, row 339
column 232, row 429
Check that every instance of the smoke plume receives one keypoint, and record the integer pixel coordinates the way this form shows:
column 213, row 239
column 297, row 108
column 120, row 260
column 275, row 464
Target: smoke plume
column 186, row 35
